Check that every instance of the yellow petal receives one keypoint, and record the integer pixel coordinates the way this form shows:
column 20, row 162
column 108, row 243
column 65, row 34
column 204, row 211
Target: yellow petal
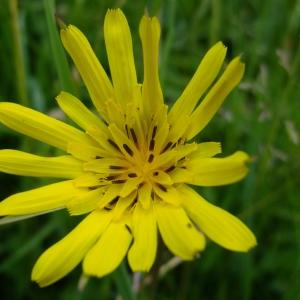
column 214, row 99
column 144, row 195
column 40, row 126
column 219, row 225
column 26, row 164
column 218, row 171
column 65, row 255
column 202, row 79
column 44, row 198
column 152, row 94
column 79, row 113
column 108, row 252
column 86, row 152
column 120, row 55
column 89, row 67
column 122, row 205
column 207, row 149
column 85, row 202
column 177, row 231
column 142, row 253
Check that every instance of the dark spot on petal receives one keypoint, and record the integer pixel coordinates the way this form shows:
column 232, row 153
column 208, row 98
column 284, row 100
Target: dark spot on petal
column 91, row 188
column 155, row 173
column 98, row 157
column 116, row 167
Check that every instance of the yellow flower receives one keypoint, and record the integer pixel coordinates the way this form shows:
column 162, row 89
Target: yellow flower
column 130, row 169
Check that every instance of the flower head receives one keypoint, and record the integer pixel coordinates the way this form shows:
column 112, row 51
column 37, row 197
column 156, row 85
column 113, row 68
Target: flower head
column 130, row 167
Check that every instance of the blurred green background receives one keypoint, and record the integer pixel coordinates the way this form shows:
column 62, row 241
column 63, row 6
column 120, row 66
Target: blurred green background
column 261, row 117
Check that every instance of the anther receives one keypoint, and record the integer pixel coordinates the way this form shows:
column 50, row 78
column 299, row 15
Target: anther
column 128, row 149
column 151, row 157
column 155, row 173
column 113, row 144
column 154, row 132
column 132, row 175
column 98, row 157
column 166, row 147
column 116, row 167
column 163, row 188
column 152, row 144
column 119, row 181
column 170, row 169
column 133, row 136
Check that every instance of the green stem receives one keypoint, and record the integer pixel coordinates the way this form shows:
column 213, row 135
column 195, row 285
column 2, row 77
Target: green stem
column 18, row 54
column 123, row 283
column 60, row 59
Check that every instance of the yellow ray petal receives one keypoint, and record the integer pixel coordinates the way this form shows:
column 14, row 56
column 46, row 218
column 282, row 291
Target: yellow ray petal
column 122, row 205
column 177, row 231
column 65, row 255
column 40, row 126
column 207, row 149
column 79, row 113
column 44, row 198
column 218, row 171
column 214, row 99
column 151, row 91
column 144, row 195
column 109, row 251
column 89, row 67
column 219, row 225
column 142, row 253
column 120, row 55
column 85, row 202
column 202, row 79
column 26, row 164
column 85, row 152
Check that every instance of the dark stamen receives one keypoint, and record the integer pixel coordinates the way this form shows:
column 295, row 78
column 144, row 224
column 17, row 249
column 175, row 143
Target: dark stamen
column 133, row 136
column 167, row 147
column 114, row 201
column 154, row 132
column 91, row 188
column 152, row 195
column 116, row 167
column 107, row 208
column 132, row 175
column 98, row 157
column 126, row 128
column 141, row 184
column 155, row 173
column 128, row 228
column 111, row 177
column 151, row 157
column 163, row 188
column 127, row 149
column 181, row 159
column 113, row 144
column 152, row 144
column 119, row 181
column 170, row 169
